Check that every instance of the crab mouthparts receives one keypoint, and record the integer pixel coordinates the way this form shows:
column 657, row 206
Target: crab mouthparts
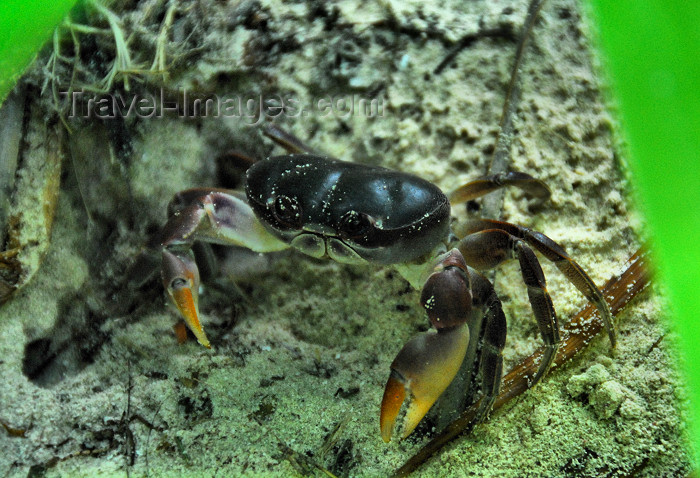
column 321, row 245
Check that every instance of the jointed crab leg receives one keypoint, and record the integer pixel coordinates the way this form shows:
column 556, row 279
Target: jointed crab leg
column 555, row 253
column 493, row 341
column 455, row 297
column 489, row 248
column 211, row 215
column 287, row 140
column 486, row 184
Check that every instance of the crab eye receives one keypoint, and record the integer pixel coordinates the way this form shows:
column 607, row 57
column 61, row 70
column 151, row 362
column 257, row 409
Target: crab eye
column 354, row 225
column 178, row 283
column 287, row 212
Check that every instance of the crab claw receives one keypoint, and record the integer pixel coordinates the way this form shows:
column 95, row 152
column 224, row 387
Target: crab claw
column 423, row 369
column 181, row 280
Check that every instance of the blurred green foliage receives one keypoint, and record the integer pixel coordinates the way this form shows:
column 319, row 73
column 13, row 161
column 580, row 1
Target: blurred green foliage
column 25, row 26
column 652, row 53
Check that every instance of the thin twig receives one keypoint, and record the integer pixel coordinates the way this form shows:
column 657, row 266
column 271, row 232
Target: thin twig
column 493, row 203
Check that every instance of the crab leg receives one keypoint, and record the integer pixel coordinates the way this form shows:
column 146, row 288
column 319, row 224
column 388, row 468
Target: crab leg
column 493, row 341
column 210, row 215
column 287, row 140
column 428, row 363
column 486, row 184
column 555, row 253
column 486, row 250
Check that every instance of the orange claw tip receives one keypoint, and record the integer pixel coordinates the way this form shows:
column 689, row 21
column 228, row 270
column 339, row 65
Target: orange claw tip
column 394, row 398
column 185, row 302
column 394, row 395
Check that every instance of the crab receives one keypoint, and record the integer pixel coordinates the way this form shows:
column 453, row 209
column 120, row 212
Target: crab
column 356, row 214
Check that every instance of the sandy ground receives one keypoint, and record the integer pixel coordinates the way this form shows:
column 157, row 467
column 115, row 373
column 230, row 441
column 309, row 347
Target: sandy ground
column 92, row 375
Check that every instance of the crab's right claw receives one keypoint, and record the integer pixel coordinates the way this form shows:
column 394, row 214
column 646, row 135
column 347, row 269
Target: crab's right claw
column 181, row 279
column 428, row 363
column 420, row 373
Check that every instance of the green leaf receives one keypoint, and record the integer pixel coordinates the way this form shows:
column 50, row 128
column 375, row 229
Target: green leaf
column 25, row 26
column 652, row 53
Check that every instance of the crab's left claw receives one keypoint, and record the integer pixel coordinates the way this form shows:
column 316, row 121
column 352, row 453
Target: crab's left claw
column 419, row 374
column 181, row 280
column 428, row 363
